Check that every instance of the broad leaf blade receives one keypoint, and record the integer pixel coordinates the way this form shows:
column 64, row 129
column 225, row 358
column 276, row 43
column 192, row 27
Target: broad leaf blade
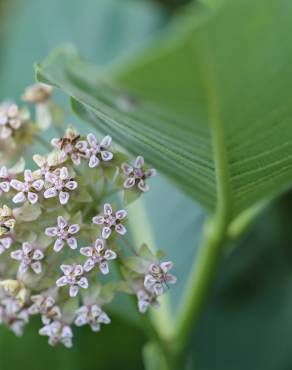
column 238, row 58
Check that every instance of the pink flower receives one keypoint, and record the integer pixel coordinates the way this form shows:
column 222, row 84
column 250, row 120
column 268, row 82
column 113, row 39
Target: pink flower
column 44, row 305
column 74, row 277
column 9, row 120
column 146, row 299
column 60, row 184
column 27, row 190
column 4, row 180
column 92, row 315
column 158, row 277
column 99, row 152
column 111, row 221
column 29, row 257
column 98, row 255
column 136, row 175
column 58, row 332
column 64, row 233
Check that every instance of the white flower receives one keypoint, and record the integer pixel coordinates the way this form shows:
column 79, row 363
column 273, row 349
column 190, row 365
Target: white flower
column 64, row 233
column 136, row 175
column 60, row 184
column 29, row 257
column 9, row 120
column 92, row 315
column 71, row 145
column 98, row 255
column 58, row 332
column 98, row 152
column 146, row 299
column 44, row 305
column 27, row 190
column 158, row 277
column 112, row 221
column 74, row 277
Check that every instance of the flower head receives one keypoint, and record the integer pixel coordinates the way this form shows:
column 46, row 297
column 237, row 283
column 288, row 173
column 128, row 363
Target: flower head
column 136, row 176
column 28, row 189
column 92, row 315
column 60, row 184
column 98, row 152
column 98, row 255
column 158, row 277
column 29, row 257
column 74, row 277
column 64, row 234
column 58, row 332
column 111, row 221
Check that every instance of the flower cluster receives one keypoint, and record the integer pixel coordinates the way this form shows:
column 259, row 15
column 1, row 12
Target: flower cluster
column 63, row 234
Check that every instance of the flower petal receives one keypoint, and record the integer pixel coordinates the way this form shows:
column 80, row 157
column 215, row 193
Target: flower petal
column 73, row 229
column 51, row 231
column 129, row 182
column 72, row 243
column 106, row 155
column 58, row 246
column 120, row 229
column 93, row 161
column 61, row 221
column 107, row 209
column 50, row 193
column 106, row 232
column 64, row 197
column 73, row 291
column 139, row 162
column 98, row 220
column 36, row 267
column 86, row 251
column 19, row 198
column 62, row 281
column 121, row 214
column 106, row 142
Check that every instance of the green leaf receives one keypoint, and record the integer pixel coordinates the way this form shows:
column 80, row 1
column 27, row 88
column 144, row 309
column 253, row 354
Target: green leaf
column 208, row 106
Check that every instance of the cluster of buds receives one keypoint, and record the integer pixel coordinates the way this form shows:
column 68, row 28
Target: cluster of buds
column 59, row 234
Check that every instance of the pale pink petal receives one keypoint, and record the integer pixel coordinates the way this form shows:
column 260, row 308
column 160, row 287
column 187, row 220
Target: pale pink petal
column 26, row 247
column 61, row 221
column 62, row 281
column 50, row 193
column 36, row 267
column 106, row 232
column 89, row 264
column 110, row 255
column 107, row 209
column 93, row 161
column 64, row 197
column 121, row 214
column 78, row 270
column 99, row 244
column 106, row 155
column 51, row 231
column 86, row 251
column 104, row 269
column 151, row 172
column 38, row 254
column 59, row 244
column 72, row 242
column 166, row 266
column 73, row 229
column 73, row 291
column 38, row 185
column 32, row 197
column 19, row 198
column 171, row 279
column 143, row 186
column 129, row 182
column 106, row 142
column 17, row 255
column 17, row 185
column 83, row 282
column 5, row 186
column 28, row 176
column 127, row 169
column 64, row 174
column 99, row 220
column 139, row 162
column 67, row 269
column 71, row 185
column 91, row 139
column 120, row 229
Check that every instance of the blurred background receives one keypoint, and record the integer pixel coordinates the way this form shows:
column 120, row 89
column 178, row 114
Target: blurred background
column 247, row 322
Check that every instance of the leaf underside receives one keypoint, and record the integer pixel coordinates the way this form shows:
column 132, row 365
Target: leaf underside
column 216, row 77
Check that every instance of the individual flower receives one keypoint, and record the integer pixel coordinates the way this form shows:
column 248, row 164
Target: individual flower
column 158, row 277
column 99, row 152
column 146, row 298
column 71, row 145
column 98, row 255
column 111, row 221
column 5, row 243
column 44, row 305
column 92, row 315
column 7, row 220
column 49, row 163
column 10, row 120
column 64, row 234
column 136, row 176
column 37, row 94
column 29, row 257
column 27, row 190
column 74, row 277
column 58, row 332
column 60, row 184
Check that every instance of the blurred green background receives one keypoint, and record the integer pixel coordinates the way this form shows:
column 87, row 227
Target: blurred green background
column 247, row 323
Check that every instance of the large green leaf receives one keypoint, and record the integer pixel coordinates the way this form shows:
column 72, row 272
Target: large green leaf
column 209, row 104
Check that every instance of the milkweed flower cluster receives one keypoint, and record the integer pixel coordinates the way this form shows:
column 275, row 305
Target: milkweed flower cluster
column 59, row 234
